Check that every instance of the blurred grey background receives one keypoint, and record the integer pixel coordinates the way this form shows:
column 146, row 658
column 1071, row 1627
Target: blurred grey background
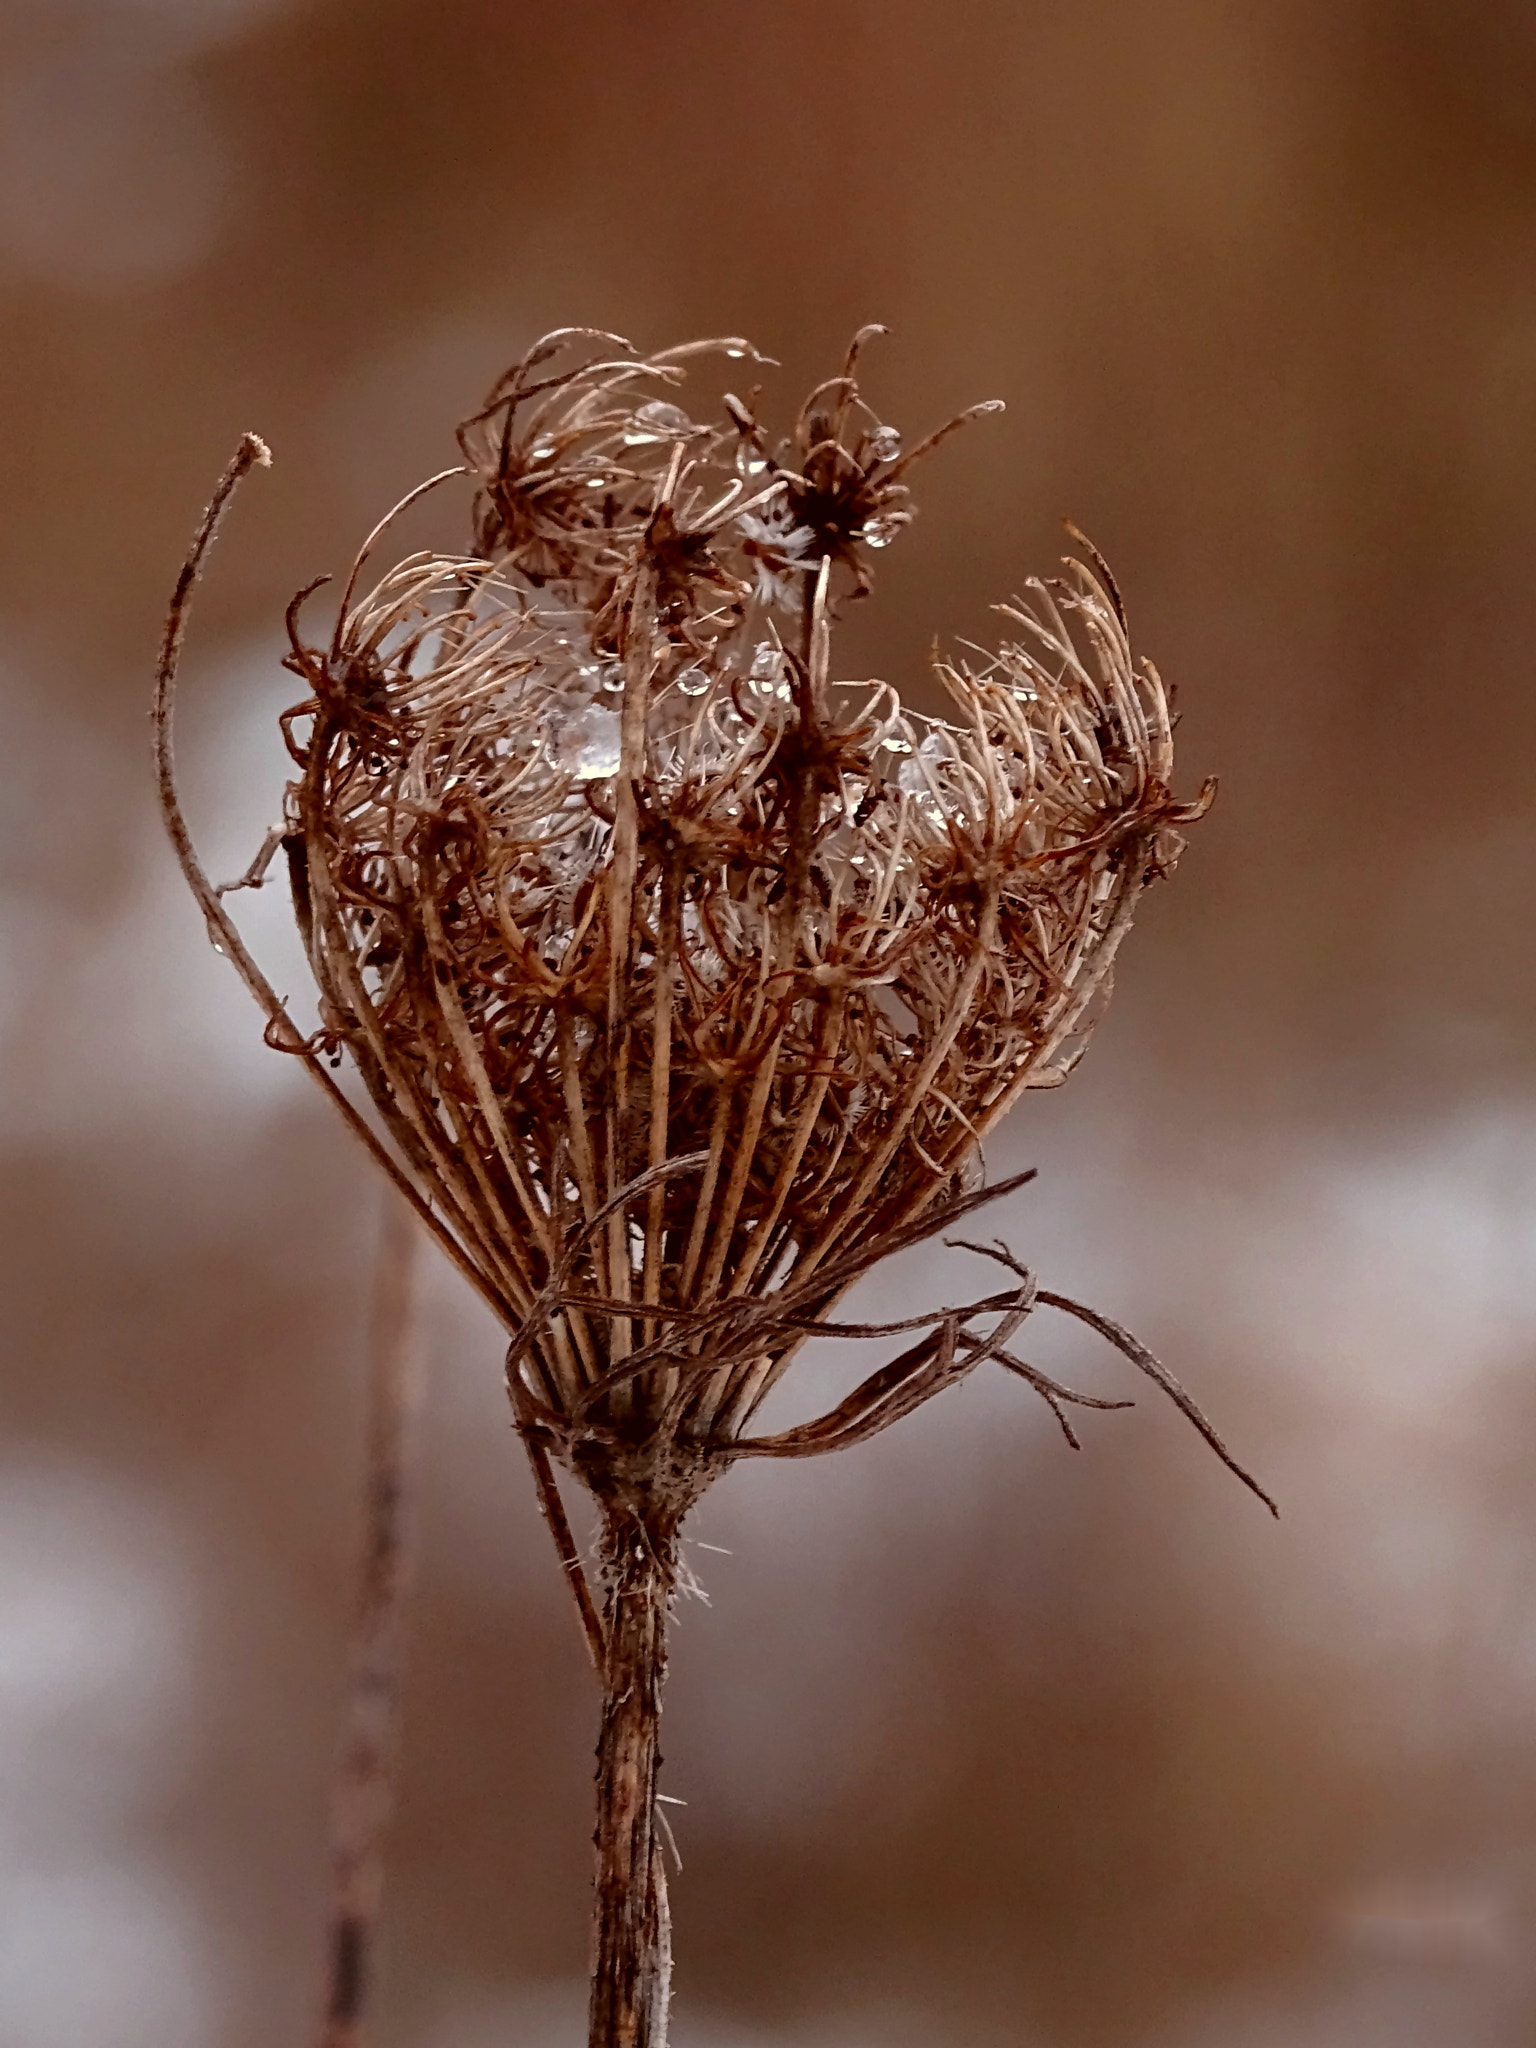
column 982, row 1742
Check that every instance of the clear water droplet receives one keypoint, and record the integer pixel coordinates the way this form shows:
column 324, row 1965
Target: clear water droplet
column 693, row 681
column 766, row 678
column 884, row 444
column 880, row 531
column 897, row 745
column 587, row 744
column 756, row 466
column 658, row 421
column 736, row 351
column 612, row 676
column 597, row 483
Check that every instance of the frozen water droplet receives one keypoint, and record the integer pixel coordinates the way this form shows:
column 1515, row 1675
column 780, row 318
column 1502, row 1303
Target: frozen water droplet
column 884, row 444
column 587, row 744
column 597, row 483
column 765, row 678
column 897, row 745
column 541, row 451
column 658, row 421
column 671, row 418
column 693, row 681
column 612, row 676
column 756, row 466
column 880, row 531
column 736, row 351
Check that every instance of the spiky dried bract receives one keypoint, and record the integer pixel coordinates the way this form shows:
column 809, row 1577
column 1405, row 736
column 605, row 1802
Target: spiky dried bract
column 605, row 873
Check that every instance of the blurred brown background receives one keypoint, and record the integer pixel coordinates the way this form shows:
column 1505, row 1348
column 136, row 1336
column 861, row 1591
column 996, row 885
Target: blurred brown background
column 983, row 1743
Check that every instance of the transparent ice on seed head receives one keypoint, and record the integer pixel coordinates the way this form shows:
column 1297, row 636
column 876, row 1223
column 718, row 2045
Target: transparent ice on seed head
column 884, row 444
column 914, row 773
column 880, row 531
column 765, row 677
column 586, row 743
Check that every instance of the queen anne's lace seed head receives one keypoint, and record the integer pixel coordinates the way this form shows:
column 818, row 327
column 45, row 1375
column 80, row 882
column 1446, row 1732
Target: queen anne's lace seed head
column 607, row 874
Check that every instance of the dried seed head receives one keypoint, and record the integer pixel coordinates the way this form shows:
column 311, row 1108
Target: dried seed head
column 609, row 883
column 685, row 977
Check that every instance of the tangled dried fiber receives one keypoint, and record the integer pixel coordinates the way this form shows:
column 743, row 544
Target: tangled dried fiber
column 685, row 978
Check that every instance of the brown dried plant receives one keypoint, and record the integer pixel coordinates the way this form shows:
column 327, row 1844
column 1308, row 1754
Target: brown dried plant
column 685, row 978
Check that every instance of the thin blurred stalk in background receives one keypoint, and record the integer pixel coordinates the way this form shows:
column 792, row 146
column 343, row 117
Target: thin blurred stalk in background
column 363, row 1799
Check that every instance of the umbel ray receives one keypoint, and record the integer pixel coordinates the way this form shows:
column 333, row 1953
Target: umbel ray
column 684, row 978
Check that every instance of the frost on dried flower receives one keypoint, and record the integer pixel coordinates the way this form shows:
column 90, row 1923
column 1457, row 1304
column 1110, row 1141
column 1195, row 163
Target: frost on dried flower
column 686, row 976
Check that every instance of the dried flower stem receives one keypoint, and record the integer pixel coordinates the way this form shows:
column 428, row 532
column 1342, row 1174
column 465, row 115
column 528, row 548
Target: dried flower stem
column 363, row 1800
column 631, row 1960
